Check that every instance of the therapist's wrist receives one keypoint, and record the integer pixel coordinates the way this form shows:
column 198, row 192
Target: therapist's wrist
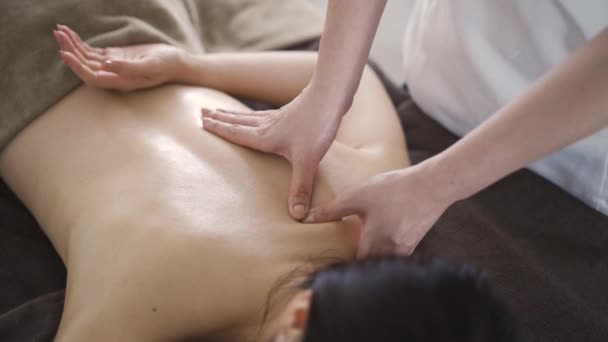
column 450, row 178
column 335, row 96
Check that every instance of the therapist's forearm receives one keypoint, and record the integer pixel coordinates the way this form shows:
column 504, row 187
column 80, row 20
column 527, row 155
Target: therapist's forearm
column 349, row 31
column 332, row 76
column 569, row 103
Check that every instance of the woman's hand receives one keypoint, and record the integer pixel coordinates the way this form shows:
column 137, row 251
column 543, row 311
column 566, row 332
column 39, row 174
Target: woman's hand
column 121, row 68
column 301, row 131
column 398, row 209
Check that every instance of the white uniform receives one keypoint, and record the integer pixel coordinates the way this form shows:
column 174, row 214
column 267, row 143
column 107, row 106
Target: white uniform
column 465, row 59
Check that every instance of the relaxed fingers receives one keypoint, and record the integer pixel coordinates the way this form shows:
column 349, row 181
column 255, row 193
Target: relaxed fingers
column 82, row 47
column 241, row 135
column 81, row 70
column 100, row 79
column 66, row 44
column 243, row 113
column 77, row 38
column 244, row 120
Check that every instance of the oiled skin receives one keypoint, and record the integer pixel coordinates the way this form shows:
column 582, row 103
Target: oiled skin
column 169, row 232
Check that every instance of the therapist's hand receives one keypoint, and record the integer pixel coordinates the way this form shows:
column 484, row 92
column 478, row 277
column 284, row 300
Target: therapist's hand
column 398, row 208
column 125, row 68
column 301, row 132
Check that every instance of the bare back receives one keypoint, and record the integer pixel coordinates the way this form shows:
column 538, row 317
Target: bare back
column 167, row 231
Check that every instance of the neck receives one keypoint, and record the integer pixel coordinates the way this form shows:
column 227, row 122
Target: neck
column 278, row 302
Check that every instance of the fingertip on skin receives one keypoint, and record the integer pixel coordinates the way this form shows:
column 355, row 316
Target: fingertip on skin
column 214, row 114
column 207, row 123
column 405, row 249
column 298, row 211
column 310, row 218
column 221, row 110
column 404, row 252
column 313, row 216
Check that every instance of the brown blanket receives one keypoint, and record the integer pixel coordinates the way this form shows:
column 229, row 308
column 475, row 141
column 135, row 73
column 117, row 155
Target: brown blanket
column 33, row 77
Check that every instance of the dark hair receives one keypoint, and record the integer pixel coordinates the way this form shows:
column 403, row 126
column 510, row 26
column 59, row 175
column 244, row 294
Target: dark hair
column 394, row 299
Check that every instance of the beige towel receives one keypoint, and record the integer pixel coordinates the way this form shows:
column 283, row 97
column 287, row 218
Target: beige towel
column 33, row 77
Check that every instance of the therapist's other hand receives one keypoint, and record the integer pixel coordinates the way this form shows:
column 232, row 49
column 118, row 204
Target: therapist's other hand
column 398, row 208
column 120, row 68
column 302, row 131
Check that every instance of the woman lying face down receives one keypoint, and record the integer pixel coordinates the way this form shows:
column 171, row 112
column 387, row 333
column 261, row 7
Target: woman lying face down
column 170, row 233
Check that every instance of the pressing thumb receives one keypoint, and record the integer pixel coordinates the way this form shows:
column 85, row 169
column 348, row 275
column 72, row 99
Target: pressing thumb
column 300, row 192
column 333, row 211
